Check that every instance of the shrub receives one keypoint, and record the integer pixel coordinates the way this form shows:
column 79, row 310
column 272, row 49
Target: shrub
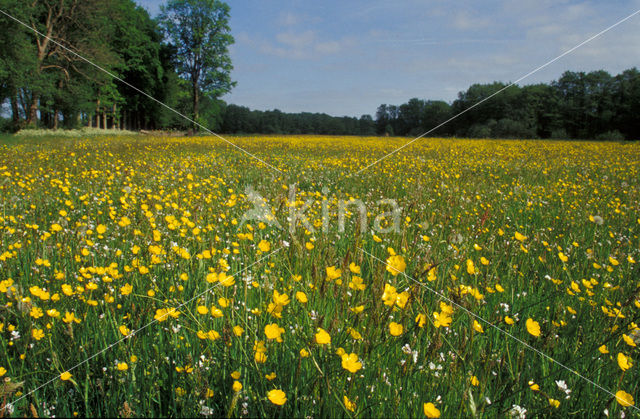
column 614, row 135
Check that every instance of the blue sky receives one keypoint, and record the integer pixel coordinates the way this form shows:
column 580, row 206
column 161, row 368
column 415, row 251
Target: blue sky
column 347, row 57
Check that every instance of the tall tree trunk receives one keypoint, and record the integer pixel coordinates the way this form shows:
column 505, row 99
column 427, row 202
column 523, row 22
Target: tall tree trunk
column 15, row 110
column 33, row 110
column 56, row 113
column 43, row 43
column 104, row 120
column 114, row 123
column 98, row 113
column 196, row 103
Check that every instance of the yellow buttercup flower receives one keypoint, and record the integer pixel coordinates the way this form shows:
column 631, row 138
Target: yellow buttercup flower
column 519, row 237
column 624, row 362
column 355, row 269
column 533, row 327
column 237, row 386
column 430, row 410
column 333, row 273
column 37, row 334
column 396, row 265
column 442, row 319
column 395, row 329
column 471, row 269
column 625, row 399
column 280, row 299
column 322, row 337
column 628, row 340
column 351, row 406
column 277, row 397
column 357, row 283
column 389, row 295
column 264, row 246
column 126, row 289
column 273, row 331
column 226, row 280
column 357, row 309
column 124, row 330
column 350, row 362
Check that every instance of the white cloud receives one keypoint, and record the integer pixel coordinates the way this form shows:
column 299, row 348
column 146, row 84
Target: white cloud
column 289, row 19
column 299, row 45
column 465, row 21
column 334, row 47
column 387, row 52
column 296, row 40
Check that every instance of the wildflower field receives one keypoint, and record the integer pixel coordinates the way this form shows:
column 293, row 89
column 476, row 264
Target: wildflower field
column 148, row 276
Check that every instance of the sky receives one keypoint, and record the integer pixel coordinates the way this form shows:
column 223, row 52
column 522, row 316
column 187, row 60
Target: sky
column 346, row 57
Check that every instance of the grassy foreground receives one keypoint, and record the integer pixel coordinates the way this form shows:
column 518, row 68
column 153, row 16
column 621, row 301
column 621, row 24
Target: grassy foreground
column 103, row 236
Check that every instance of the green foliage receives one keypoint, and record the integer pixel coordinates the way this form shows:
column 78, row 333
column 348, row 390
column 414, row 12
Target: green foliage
column 242, row 120
column 578, row 105
column 199, row 30
column 71, row 133
column 614, row 135
column 47, row 86
column 481, row 130
column 182, row 61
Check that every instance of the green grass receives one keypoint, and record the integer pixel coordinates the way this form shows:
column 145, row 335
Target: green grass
column 462, row 200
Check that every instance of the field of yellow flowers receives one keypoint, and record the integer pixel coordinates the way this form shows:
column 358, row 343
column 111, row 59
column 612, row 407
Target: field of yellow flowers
column 133, row 283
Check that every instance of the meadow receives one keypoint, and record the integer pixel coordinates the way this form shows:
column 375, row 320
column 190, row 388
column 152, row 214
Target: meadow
column 133, row 284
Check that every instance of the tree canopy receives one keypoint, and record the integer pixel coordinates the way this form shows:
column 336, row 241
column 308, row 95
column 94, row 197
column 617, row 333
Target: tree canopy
column 182, row 60
column 199, row 30
column 581, row 105
column 46, row 85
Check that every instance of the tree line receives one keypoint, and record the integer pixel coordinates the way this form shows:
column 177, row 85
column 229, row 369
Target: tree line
column 581, row 105
column 242, row 120
column 181, row 58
